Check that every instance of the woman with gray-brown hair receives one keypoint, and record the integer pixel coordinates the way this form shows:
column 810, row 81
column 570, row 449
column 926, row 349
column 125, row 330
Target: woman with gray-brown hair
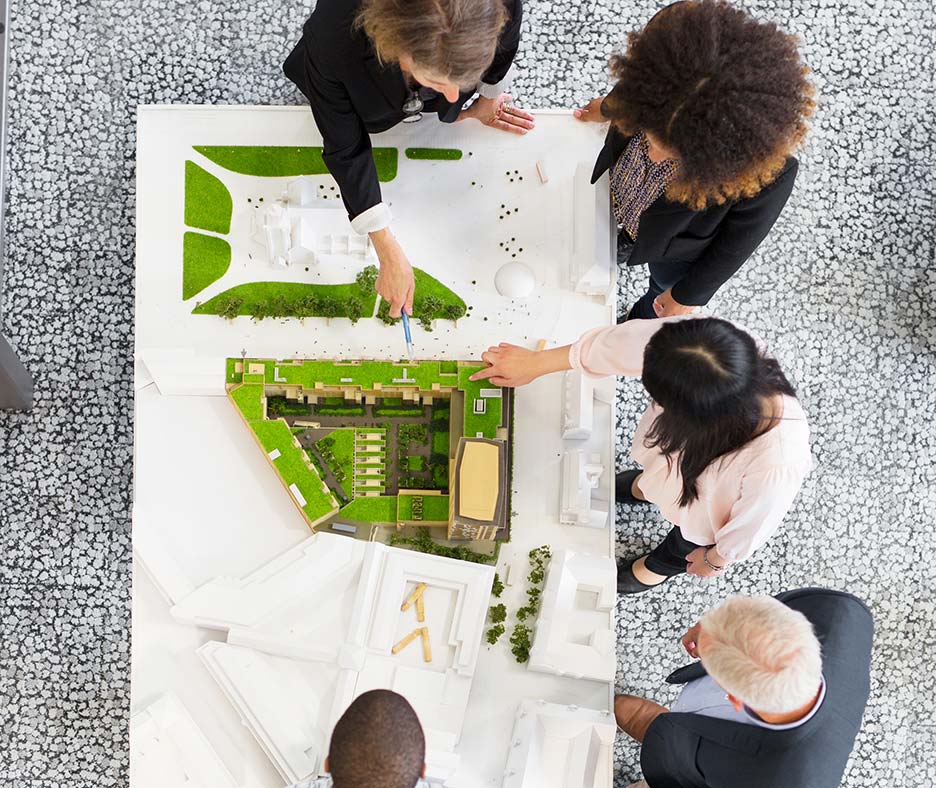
column 366, row 65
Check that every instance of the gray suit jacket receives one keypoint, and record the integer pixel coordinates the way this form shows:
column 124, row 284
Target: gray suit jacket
column 695, row 751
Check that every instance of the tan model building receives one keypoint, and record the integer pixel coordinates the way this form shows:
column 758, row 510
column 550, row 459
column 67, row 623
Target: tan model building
column 478, row 495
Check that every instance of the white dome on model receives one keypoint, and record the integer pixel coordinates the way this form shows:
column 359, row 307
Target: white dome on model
column 515, row 280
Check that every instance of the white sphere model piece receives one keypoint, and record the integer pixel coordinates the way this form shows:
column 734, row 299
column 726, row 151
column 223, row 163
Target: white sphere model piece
column 514, row 280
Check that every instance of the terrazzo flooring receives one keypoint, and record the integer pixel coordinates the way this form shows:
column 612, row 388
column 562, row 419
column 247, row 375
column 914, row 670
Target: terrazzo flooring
column 844, row 291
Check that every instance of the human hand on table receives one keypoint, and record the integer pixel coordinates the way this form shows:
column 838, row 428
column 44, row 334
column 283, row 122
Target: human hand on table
column 500, row 114
column 512, row 365
column 666, row 306
column 697, row 566
column 395, row 283
column 690, row 641
column 591, row 112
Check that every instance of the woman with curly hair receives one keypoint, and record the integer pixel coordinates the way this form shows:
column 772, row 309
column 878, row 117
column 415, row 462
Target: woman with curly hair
column 708, row 107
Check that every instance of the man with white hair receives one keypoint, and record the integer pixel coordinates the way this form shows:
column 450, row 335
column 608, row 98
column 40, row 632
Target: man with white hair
column 775, row 701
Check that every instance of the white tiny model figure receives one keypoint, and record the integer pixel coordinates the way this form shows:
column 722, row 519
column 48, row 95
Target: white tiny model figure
column 591, row 265
column 578, row 405
column 578, row 485
column 514, row 280
column 570, row 640
column 555, row 746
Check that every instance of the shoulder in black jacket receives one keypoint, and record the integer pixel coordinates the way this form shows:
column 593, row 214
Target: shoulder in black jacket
column 353, row 95
column 695, row 751
column 717, row 240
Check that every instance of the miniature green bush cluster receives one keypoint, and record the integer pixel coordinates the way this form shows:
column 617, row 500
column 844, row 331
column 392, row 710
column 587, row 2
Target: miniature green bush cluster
column 424, row 543
column 520, row 637
column 498, row 587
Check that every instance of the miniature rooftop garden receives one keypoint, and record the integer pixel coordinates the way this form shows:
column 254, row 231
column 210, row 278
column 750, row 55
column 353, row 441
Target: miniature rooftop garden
column 381, row 459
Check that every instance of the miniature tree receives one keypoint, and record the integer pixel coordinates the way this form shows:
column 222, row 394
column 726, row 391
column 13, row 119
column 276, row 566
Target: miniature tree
column 307, row 306
column 261, row 310
column 354, row 309
column 454, row 312
column 427, row 310
column 280, row 306
column 498, row 587
column 230, row 307
column 367, row 278
column 329, row 308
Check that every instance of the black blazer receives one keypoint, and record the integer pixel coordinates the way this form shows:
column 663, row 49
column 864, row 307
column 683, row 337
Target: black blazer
column 716, row 240
column 352, row 95
column 695, row 751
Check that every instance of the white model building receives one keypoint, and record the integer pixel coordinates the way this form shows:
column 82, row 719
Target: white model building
column 593, row 258
column 305, row 223
column 168, row 750
column 579, row 504
column 578, row 405
column 572, row 637
column 555, row 746
column 316, row 627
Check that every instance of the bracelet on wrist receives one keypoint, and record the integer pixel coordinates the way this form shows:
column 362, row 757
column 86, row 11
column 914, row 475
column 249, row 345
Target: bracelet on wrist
column 709, row 564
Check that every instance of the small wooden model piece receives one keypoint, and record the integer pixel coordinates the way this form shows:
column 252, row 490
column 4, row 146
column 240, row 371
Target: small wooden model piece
column 420, row 609
column 402, row 644
column 427, row 650
column 416, row 596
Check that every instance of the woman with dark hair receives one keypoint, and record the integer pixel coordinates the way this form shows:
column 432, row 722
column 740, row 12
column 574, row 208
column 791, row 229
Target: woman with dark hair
column 708, row 107
column 723, row 446
column 367, row 65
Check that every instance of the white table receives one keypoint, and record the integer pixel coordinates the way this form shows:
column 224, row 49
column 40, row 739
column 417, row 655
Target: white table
column 206, row 503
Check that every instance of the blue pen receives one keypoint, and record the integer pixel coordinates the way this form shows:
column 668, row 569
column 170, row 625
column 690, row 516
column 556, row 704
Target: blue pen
column 409, row 338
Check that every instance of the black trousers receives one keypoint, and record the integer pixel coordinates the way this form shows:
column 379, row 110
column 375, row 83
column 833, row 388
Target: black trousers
column 662, row 277
column 669, row 557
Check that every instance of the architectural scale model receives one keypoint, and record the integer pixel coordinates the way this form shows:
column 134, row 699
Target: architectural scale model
column 555, row 746
column 360, row 443
column 291, row 675
column 167, row 748
column 590, row 267
column 302, row 225
column 578, row 402
column 572, row 636
column 579, row 505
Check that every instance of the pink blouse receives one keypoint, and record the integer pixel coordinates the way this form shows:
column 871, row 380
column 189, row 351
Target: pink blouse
column 744, row 496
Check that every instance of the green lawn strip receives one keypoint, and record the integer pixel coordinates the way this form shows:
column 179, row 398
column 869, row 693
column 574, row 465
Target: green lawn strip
column 372, row 509
column 364, row 374
column 287, row 299
column 435, row 508
column 485, row 423
column 293, row 467
column 415, row 463
column 231, row 376
column 343, row 450
column 440, row 154
column 398, row 412
column 248, row 398
column 340, row 411
column 448, row 367
column 255, row 378
column 287, row 161
column 205, row 259
column 208, row 204
column 428, row 287
column 440, row 442
column 440, row 476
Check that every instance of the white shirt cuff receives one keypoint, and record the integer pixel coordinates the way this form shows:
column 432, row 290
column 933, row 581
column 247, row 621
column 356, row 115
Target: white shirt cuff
column 377, row 217
column 493, row 91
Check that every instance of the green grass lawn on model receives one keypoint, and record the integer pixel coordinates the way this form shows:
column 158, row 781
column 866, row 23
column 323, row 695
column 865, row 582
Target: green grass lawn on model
column 438, row 154
column 208, row 204
column 435, row 508
column 205, row 259
column 288, row 161
column 372, row 509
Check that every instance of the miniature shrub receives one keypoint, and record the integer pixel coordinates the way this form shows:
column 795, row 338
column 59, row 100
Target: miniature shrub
column 498, row 613
column 498, row 587
column 494, row 633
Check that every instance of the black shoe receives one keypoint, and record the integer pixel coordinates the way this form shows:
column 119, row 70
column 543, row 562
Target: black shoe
column 623, row 484
column 627, row 582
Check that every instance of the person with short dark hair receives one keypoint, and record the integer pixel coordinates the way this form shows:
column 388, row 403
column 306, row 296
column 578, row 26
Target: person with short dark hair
column 367, row 65
column 723, row 446
column 775, row 701
column 377, row 743
column 708, row 108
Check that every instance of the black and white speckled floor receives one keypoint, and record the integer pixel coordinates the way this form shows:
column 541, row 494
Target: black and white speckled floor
column 844, row 290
